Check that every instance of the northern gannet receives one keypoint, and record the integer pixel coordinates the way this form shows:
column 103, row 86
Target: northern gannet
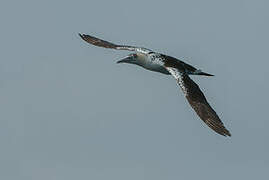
column 164, row 64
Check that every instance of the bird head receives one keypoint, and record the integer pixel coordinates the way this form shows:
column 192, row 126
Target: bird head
column 131, row 59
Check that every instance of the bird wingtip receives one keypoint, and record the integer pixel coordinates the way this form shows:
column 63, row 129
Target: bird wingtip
column 228, row 134
column 225, row 133
column 81, row 35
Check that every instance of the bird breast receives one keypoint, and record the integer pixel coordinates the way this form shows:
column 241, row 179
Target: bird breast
column 153, row 65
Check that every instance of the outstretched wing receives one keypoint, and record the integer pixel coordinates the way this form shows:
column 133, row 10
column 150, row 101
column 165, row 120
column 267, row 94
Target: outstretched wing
column 105, row 44
column 198, row 101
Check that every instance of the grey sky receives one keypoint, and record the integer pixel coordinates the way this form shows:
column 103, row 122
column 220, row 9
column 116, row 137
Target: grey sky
column 68, row 111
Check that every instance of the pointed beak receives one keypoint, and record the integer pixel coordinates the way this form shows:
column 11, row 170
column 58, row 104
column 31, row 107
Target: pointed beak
column 125, row 60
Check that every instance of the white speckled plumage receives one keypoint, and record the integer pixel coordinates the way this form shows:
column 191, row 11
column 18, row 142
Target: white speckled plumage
column 178, row 76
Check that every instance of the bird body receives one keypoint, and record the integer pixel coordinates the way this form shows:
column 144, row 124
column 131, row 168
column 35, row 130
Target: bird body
column 168, row 65
column 155, row 62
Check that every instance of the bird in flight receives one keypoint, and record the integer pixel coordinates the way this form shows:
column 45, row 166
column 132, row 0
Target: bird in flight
column 164, row 64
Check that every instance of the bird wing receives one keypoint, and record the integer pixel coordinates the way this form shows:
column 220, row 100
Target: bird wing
column 105, row 44
column 198, row 101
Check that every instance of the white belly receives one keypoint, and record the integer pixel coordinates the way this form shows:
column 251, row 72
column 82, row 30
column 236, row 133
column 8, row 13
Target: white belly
column 155, row 67
column 150, row 62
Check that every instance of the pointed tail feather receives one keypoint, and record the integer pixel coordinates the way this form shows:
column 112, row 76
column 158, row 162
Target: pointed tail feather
column 199, row 72
column 204, row 74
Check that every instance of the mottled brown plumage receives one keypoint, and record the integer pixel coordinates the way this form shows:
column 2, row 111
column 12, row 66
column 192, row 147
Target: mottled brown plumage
column 199, row 103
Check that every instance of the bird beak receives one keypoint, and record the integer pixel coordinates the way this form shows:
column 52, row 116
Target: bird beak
column 125, row 60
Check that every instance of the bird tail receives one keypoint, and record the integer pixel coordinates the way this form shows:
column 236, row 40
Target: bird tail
column 199, row 72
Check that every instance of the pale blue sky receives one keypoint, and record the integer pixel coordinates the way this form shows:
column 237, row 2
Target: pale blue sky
column 68, row 111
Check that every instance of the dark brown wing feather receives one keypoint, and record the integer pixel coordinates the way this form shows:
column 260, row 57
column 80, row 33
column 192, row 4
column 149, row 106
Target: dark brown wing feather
column 105, row 44
column 180, row 65
column 197, row 100
column 199, row 103
column 97, row 42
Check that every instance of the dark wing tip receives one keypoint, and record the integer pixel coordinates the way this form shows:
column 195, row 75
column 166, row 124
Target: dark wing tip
column 80, row 35
column 97, row 42
column 226, row 131
column 205, row 74
column 85, row 37
column 219, row 128
column 207, row 114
